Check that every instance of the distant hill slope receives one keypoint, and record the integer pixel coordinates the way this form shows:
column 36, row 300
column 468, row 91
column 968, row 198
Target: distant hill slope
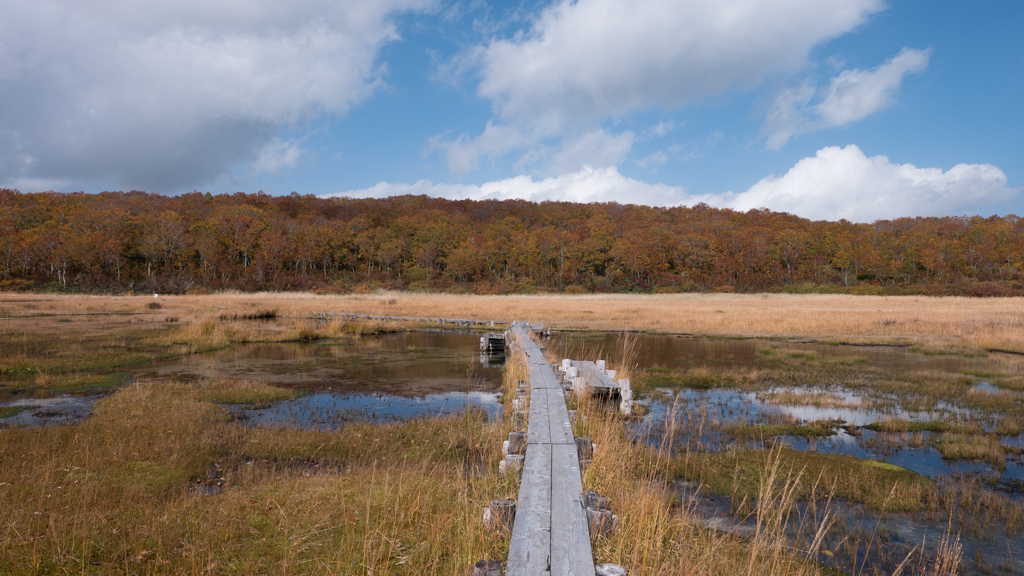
column 148, row 242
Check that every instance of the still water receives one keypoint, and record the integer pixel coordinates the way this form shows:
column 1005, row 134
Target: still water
column 372, row 379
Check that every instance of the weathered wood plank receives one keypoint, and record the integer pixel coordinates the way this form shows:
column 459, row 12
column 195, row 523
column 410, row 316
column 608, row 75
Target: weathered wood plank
column 550, row 536
column 571, row 554
column 537, row 430
column 529, row 552
column 560, row 429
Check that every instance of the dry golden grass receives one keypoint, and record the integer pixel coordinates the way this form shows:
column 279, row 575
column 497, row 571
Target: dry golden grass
column 932, row 323
column 116, row 494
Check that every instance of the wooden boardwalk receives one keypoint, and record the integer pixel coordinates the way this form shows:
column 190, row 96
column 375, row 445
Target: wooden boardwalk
column 550, row 535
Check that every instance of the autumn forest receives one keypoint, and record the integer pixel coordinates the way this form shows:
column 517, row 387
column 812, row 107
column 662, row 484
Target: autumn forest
column 116, row 242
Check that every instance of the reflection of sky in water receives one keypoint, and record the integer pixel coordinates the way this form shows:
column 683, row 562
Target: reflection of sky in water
column 58, row 410
column 729, row 406
column 404, row 364
column 326, row 411
column 374, row 378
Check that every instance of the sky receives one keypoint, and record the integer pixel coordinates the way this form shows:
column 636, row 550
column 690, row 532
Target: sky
column 828, row 109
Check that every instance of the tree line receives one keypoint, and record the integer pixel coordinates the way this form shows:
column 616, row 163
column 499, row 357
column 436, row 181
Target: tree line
column 135, row 241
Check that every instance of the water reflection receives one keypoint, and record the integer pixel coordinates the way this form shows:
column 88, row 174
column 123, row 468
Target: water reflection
column 404, row 364
column 676, row 351
column 374, row 378
column 330, row 411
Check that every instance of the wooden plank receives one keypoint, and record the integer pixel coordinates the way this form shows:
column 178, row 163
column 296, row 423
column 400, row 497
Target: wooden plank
column 537, row 429
column 559, row 426
column 529, row 552
column 571, row 554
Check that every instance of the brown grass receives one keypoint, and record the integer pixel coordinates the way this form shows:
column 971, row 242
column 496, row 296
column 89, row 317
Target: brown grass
column 933, row 323
column 116, row 494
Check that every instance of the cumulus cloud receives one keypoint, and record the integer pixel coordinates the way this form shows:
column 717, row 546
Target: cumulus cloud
column 168, row 95
column 851, row 96
column 582, row 62
column 834, row 184
column 589, row 184
column 845, row 183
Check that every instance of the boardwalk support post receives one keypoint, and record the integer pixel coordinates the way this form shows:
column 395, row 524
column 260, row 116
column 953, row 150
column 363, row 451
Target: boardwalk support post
column 626, row 405
column 488, row 568
column 500, row 515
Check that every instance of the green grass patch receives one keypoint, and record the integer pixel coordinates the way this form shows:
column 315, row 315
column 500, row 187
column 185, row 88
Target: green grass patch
column 8, row 411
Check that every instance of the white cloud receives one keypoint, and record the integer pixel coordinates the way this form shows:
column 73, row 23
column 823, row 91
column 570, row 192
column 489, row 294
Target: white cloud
column 582, row 62
column 596, row 147
column 836, row 183
column 171, row 94
column 660, row 129
column 276, row 155
column 844, row 183
column 851, row 96
column 587, row 60
column 656, row 159
column 587, row 185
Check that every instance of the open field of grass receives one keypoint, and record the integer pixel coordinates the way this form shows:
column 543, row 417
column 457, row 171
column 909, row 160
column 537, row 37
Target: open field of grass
column 940, row 324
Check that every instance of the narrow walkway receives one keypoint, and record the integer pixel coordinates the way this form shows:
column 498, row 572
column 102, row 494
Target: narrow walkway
column 550, row 535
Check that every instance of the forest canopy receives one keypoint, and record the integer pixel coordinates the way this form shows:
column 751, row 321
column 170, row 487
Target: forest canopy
column 135, row 241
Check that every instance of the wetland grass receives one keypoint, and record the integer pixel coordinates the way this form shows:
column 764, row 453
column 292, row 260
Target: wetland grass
column 118, row 493
column 738, row 473
column 986, row 447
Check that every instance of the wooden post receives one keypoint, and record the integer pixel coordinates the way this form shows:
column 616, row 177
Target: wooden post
column 512, row 464
column 516, row 442
column 599, row 514
column 584, row 448
column 591, row 499
column 519, row 419
column 600, row 365
column 607, row 570
column 626, row 405
column 500, row 515
column 488, row 568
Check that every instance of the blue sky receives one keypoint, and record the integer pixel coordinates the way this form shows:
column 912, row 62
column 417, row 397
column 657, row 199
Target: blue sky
column 857, row 109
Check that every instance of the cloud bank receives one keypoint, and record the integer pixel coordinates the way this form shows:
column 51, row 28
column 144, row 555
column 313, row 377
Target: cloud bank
column 851, row 96
column 844, row 183
column 834, row 184
column 582, row 62
column 163, row 95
